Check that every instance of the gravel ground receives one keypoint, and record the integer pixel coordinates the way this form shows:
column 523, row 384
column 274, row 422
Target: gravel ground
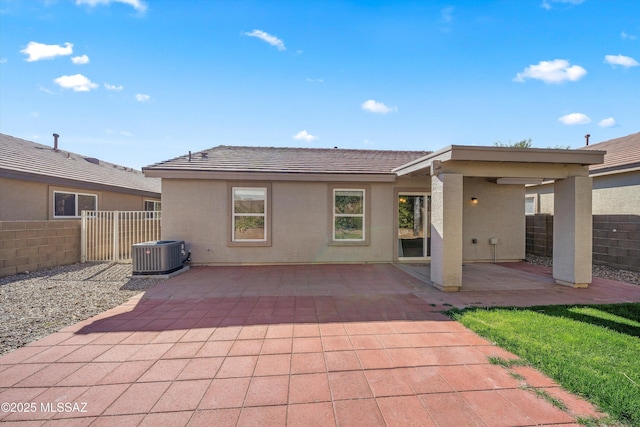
column 36, row 304
column 626, row 276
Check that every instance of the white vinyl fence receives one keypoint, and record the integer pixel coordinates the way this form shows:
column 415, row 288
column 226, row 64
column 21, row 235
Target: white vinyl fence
column 109, row 235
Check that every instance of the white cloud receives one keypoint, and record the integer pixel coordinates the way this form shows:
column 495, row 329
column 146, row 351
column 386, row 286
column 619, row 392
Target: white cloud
column 376, row 107
column 45, row 90
column 77, row 83
column 624, row 61
column 575, row 119
column 556, row 71
column 310, row 80
column 138, row 5
column 80, row 60
column 122, row 132
column 272, row 40
column 446, row 14
column 303, row 135
column 3, row 60
column 37, row 51
column 141, row 97
column 626, row 36
column 607, row 123
column 547, row 5
column 113, row 87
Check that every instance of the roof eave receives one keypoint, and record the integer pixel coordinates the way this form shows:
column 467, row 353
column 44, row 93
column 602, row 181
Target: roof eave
column 167, row 173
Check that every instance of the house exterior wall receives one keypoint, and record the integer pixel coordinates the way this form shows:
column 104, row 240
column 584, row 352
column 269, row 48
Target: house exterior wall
column 22, row 200
column 615, row 194
column 498, row 213
column 197, row 211
column 29, row 200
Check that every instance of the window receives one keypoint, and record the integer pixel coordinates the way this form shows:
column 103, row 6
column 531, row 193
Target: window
column 249, row 214
column 530, row 205
column 152, row 206
column 348, row 215
column 71, row 205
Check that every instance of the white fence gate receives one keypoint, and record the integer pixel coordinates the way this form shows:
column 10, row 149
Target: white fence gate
column 108, row 235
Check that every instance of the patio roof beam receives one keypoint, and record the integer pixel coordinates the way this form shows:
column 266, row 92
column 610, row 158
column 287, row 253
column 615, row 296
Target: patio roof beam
column 510, row 169
column 531, row 156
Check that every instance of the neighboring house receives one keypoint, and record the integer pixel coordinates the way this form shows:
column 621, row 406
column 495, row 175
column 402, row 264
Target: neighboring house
column 615, row 206
column 40, row 182
column 616, row 182
column 258, row 205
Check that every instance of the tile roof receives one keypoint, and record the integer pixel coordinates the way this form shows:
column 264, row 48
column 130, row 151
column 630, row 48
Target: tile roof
column 290, row 160
column 22, row 159
column 622, row 153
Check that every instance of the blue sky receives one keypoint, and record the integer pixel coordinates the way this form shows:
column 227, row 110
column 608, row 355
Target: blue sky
column 135, row 82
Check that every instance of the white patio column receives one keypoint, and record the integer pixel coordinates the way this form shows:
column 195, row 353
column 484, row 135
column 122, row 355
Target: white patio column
column 572, row 231
column 446, row 231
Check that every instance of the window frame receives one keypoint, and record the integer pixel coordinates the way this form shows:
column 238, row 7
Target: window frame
column 76, row 197
column 157, row 205
column 231, row 214
column 366, row 215
column 534, row 197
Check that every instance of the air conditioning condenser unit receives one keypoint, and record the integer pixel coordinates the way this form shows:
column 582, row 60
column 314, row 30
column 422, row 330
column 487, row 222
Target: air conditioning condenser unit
column 158, row 257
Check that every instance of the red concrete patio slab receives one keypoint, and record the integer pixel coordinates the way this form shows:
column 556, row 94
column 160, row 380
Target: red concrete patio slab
column 295, row 345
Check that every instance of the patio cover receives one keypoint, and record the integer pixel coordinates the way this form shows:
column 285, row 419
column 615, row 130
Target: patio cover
column 568, row 169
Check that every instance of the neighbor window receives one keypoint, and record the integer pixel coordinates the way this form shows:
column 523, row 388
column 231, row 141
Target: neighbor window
column 249, row 214
column 71, row 205
column 152, row 206
column 530, row 205
column 348, row 215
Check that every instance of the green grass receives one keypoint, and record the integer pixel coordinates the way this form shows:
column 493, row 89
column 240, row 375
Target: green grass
column 593, row 351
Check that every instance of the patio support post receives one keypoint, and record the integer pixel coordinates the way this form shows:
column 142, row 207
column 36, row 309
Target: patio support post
column 446, row 231
column 572, row 232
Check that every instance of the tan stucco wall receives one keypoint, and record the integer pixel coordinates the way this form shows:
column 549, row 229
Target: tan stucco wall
column 498, row 213
column 615, row 194
column 22, row 200
column 27, row 200
column 197, row 211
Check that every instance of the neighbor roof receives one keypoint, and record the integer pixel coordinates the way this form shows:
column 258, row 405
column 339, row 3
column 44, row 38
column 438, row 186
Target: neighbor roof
column 26, row 160
column 289, row 160
column 622, row 154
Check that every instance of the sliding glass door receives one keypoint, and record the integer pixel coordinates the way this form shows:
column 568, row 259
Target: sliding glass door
column 414, row 226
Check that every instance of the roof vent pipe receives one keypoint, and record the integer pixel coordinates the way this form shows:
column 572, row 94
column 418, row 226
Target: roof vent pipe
column 587, row 136
column 189, row 155
column 55, row 141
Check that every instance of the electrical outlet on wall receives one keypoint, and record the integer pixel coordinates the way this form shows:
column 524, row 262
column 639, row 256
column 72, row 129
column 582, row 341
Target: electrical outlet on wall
column 474, row 241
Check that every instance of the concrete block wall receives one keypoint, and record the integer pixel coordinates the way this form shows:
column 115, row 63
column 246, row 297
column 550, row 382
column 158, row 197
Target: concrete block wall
column 616, row 239
column 539, row 236
column 35, row 245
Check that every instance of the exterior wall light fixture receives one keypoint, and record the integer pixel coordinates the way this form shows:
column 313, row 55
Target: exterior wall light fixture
column 474, row 200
